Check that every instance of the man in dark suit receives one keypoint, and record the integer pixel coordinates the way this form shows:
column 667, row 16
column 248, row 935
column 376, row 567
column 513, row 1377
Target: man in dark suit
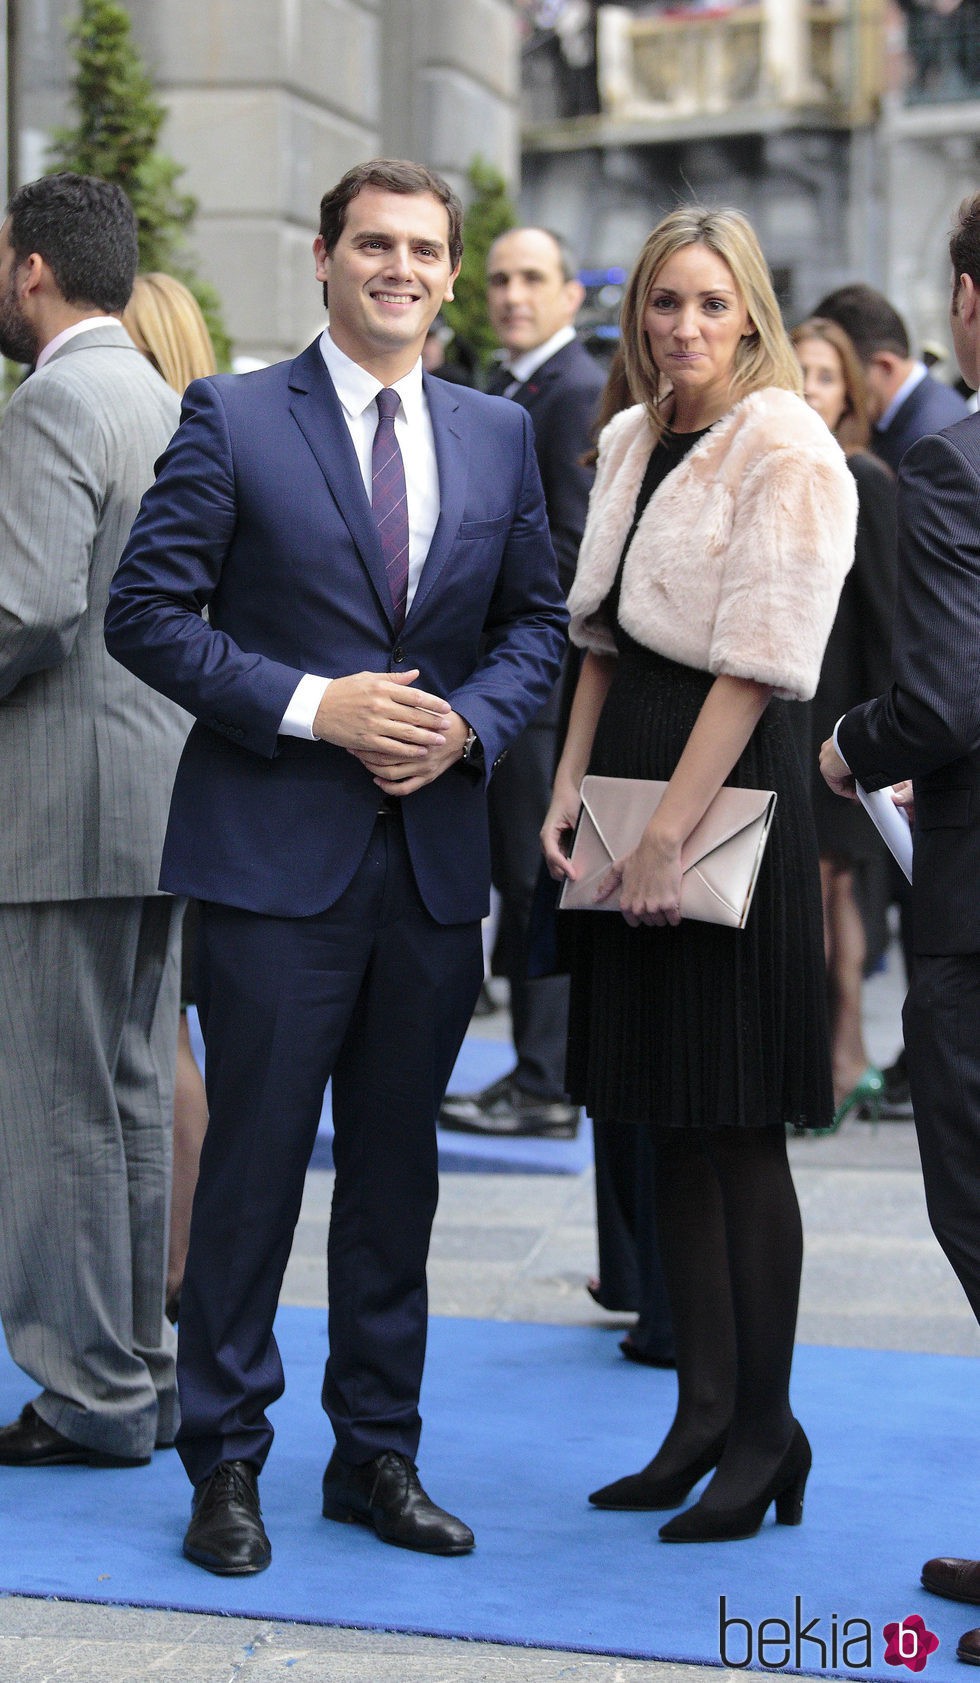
column 927, row 727
column 533, row 296
column 383, row 617
column 904, row 401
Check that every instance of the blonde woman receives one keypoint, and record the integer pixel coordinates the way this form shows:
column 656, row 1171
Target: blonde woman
column 720, row 530
column 164, row 321
column 857, row 664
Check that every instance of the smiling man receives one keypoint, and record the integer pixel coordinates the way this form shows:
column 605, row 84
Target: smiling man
column 383, row 618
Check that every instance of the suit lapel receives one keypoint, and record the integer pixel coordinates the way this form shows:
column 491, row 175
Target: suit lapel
column 533, row 390
column 317, row 412
column 451, row 459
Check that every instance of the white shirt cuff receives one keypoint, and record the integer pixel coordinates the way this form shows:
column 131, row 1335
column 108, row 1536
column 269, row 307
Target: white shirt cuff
column 836, row 743
column 301, row 712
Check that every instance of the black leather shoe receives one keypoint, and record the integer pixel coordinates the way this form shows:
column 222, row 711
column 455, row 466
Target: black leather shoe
column 30, row 1442
column 895, row 1104
column 226, row 1534
column 506, row 1110
column 958, row 1580
column 968, row 1647
column 386, row 1493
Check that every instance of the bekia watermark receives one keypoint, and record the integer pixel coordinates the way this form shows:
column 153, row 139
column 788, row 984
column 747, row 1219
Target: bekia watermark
column 813, row 1644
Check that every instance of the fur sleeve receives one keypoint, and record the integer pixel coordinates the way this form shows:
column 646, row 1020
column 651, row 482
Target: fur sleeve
column 791, row 545
column 610, row 512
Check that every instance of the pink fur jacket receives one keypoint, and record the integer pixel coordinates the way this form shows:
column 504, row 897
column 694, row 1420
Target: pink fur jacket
column 739, row 558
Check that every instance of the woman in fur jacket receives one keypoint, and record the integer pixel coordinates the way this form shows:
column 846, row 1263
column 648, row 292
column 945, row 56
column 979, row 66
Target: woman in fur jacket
column 720, row 529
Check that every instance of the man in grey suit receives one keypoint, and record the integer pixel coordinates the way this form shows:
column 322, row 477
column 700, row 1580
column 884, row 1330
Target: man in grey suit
column 88, row 948
column 927, row 727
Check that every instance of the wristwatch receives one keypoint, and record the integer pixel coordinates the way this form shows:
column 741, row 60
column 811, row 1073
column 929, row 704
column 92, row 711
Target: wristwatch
column 472, row 758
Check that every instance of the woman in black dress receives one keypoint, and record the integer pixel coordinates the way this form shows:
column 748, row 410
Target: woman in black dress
column 857, row 664
column 720, row 529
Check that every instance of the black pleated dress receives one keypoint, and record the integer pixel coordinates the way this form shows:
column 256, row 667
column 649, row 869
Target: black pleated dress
column 701, row 1026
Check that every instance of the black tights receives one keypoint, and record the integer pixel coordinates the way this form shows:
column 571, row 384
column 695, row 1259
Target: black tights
column 731, row 1241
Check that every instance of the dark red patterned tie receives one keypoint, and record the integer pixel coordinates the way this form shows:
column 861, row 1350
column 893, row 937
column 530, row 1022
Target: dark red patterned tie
column 389, row 501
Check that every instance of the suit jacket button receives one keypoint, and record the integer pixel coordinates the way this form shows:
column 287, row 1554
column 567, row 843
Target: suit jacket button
column 398, row 654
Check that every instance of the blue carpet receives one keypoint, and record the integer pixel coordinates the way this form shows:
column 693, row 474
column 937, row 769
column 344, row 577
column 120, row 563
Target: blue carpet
column 521, row 1421
column 480, row 1062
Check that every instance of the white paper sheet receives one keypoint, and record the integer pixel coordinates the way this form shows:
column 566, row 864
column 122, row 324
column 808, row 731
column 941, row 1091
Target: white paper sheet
column 890, row 822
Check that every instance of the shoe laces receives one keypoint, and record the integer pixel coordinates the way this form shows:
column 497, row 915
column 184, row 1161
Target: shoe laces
column 230, row 1481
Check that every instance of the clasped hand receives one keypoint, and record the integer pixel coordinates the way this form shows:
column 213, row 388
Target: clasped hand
column 649, row 883
column 403, row 736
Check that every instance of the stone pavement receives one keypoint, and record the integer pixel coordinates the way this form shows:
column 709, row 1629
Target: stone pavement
column 516, row 1247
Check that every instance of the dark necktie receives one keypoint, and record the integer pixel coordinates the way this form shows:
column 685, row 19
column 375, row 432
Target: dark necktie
column 389, row 500
column 499, row 379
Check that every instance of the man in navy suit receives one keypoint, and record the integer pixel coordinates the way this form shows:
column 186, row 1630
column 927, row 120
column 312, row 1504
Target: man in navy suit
column 904, row 401
column 383, row 617
column 927, row 727
column 533, row 297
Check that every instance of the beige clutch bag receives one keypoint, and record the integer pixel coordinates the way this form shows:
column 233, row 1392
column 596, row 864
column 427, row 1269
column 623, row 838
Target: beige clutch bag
column 720, row 859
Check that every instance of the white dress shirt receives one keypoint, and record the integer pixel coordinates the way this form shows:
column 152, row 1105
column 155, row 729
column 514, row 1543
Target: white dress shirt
column 528, row 363
column 67, row 333
column 357, row 391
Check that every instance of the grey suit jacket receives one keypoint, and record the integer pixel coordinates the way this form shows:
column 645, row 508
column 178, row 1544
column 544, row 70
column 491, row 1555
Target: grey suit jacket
column 87, row 752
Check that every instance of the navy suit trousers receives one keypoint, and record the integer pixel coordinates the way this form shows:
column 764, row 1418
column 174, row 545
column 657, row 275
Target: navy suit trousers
column 376, row 995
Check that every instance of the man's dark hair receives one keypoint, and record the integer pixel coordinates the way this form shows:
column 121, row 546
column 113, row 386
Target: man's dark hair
column 871, row 323
column 964, row 241
column 391, row 175
column 85, row 229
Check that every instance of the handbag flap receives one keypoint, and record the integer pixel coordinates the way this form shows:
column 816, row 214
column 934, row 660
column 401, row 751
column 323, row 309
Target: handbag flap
column 731, row 811
column 621, row 808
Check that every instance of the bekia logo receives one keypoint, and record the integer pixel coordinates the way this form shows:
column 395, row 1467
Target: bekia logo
column 816, row 1643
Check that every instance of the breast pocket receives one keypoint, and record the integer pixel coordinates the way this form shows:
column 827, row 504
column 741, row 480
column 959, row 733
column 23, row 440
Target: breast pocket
column 483, row 528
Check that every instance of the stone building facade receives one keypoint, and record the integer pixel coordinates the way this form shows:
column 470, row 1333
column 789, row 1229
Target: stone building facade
column 269, row 102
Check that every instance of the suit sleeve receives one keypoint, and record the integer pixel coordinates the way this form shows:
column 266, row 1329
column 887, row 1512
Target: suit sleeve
column 53, row 470
column 930, row 715
column 170, row 569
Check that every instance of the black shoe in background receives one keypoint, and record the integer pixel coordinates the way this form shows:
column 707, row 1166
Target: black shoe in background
column 896, row 1101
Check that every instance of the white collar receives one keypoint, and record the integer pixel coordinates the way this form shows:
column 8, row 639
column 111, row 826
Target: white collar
column 528, row 363
column 356, row 388
column 918, row 374
column 67, row 333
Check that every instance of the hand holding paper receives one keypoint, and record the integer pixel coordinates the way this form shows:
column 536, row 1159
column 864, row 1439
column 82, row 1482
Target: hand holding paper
column 891, row 822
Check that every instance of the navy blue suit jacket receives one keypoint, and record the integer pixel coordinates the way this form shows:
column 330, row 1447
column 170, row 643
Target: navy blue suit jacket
column 562, row 399
column 259, row 515
column 930, row 407
column 927, row 725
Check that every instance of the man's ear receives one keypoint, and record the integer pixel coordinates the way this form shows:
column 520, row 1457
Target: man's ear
column 30, row 273
column 575, row 293
column 320, row 253
column 448, row 295
column 969, row 300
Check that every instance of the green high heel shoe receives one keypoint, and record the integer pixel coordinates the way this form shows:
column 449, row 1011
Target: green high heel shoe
column 866, row 1092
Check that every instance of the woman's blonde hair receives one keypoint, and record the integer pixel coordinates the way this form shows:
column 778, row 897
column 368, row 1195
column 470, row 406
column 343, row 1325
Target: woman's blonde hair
column 853, row 430
column 764, row 358
column 164, row 321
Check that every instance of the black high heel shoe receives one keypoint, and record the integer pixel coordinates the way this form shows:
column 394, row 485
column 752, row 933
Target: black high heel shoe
column 644, row 1492
column 703, row 1524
